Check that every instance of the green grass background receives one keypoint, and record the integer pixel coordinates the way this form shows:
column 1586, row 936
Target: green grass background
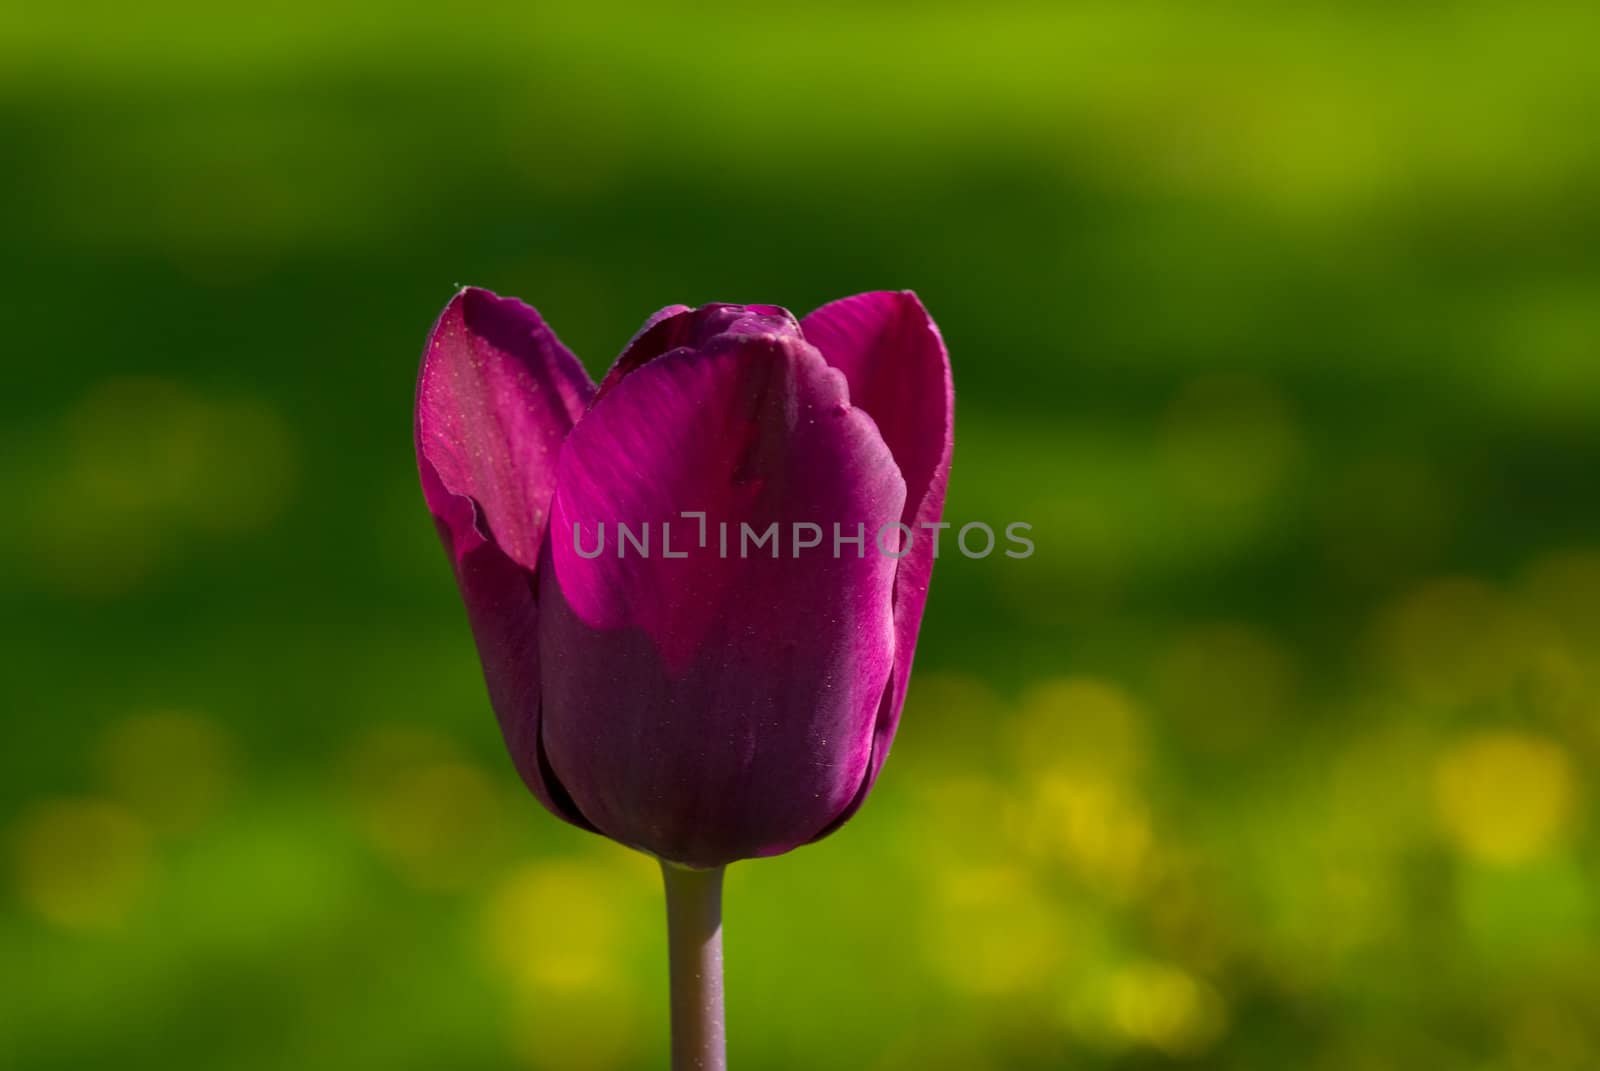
column 1281, row 324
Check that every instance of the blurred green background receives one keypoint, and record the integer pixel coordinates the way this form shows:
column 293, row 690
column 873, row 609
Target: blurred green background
column 1280, row 325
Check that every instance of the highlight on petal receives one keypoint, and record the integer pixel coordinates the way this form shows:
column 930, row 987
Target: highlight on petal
column 891, row 353
column 718, row 705
column 496, row 396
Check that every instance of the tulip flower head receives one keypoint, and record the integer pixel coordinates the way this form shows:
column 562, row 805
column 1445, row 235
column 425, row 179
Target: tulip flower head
column 683, row 693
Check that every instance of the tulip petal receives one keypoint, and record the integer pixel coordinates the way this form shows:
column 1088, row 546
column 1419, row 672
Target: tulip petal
column 891, row 353
column 496, row 396
column 715, row 707
column 677, row 326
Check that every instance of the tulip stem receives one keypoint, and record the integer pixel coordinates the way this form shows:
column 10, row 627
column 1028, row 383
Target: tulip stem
column 694, row 950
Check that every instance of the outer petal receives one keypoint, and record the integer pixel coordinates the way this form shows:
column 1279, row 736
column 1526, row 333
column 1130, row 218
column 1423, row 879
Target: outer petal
column 496, row 396
column 712, row 708
column 891, row 353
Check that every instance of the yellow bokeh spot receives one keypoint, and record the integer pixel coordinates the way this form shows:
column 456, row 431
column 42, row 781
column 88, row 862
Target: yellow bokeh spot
column 1093, row 825
column 80, row 863
column 1457, row 640
column 138, row 442
column 990, row 932
column 1081, row 722
column 1166, row 1008
column 1080, row 744
column 1376, row 804
column 173, row 769
column 251, row 466
column 565, row 936
column 558, row 927
column 439, row 819
column 1504, row 797
column 143, row 461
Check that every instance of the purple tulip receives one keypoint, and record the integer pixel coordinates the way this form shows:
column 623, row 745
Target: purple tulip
column 713, row 706
column 699, row 703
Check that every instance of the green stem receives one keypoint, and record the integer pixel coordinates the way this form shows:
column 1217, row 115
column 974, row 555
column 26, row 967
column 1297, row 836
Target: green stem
column 694, row 951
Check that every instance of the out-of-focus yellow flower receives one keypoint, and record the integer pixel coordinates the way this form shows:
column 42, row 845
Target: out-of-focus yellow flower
column 1377, row 806
column 1166, row 1008
column 1080, row 746
column 80, row 863
column 1080, row 722
column 1094, row 826
column 559, row 932
column 437, row 817
column 990, row 931
column 1457, row 640
column 142, row 462
column 562, row 925
column 1504, row 797
column 172, row 768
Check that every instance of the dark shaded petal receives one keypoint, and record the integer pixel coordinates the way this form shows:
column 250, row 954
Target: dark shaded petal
column 711, row 708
